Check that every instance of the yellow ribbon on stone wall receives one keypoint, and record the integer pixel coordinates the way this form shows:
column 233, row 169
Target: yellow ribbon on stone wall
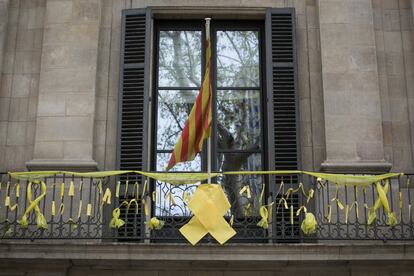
column 209, row 204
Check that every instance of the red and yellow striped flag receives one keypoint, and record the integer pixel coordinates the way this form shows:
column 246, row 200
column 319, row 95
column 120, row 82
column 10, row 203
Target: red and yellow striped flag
column 197, row 128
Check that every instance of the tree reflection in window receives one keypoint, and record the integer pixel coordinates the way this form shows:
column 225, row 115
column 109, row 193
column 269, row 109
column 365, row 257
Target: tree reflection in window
column 238, row 128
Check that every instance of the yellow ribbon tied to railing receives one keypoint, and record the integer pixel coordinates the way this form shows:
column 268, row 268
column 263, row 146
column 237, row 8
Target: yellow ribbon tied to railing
column 208, row 204
column 264, row 213
column 154, row 223
column 309, row 224
column 34, row 204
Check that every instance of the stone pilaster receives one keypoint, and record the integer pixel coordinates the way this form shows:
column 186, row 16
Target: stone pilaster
column 353, row 123
column 4, row 12
column 66, row 107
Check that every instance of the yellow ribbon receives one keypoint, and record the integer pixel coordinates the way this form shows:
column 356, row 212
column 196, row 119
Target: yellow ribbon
column 190, row 178
column 261, row 195
column 53, row 209
column 129, row 204
column 89, row 209
column 246, row 189
column 116, row 222
column 309, row 224
column 329, row 216
column 126, row 189
column 264, row 213
column 71, row 191
column 146, row 207
column 144, row 189
column 106, row 197
column 62, row 189
column 118, row 183
column 136, row 189
column 33, row 204
column 80, row 208
column 17, row 189
column 154, row 223
column 208, row 204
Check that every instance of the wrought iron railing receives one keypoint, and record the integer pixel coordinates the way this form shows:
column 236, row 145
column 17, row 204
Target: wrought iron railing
column 76, row 209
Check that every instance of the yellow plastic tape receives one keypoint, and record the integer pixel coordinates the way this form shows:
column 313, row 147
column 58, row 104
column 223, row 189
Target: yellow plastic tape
column 261, row 195
column 264, row 214
column 100, row 187
column 7, row 201
column 154, row 196
column 116, row 222
column 136, row 189
column 106, row 197
column 80, row 209
column 246, row 189
column 190, row 178
column 383, row 197
column 118, row 184
column 300, row 210
column 329, row 217
column 291, row 214
column 146, row 207
column 17, row 189
column 126, row 189
column 144, row 189
column 355, row 205
column 309, row 224
column 33, row 205
column 61, row 208
column 7, row 187
column 89, row 210
column 62, row 189
column 53, row 209
column 71, row 191
column 154, row 223
column 346, row 213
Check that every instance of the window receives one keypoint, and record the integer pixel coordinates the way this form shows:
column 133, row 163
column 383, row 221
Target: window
column 255, row 97
column 237, row 130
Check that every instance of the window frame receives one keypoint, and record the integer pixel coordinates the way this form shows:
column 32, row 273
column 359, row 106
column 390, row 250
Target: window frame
column 216, row 25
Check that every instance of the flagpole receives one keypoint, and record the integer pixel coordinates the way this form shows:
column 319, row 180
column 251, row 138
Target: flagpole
column 209, row 138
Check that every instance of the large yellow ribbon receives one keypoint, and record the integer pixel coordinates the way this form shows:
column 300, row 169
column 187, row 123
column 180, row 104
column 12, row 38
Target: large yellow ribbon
column 208, row 204
column 33, row 204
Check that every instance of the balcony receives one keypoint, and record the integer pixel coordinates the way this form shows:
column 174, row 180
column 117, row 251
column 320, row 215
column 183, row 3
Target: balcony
column 81, row 208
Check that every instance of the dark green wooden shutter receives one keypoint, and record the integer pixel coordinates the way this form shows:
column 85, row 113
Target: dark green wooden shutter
column 133, row 104
column 283, row 115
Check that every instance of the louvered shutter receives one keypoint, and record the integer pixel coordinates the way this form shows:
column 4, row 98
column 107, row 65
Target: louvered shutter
column 133, row 106
column 283, row 127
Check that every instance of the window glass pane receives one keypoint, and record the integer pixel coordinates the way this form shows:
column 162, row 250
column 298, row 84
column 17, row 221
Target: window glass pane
column 173, row 109
column 179, row 58
column 180, row 194
column 238, row 59
column 163, row 158
column 238, row 119
column 242, row 205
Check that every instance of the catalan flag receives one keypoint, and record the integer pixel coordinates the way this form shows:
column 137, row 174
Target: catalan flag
column 197, row 128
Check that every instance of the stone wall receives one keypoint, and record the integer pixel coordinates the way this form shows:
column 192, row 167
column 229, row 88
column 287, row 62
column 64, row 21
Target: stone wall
column 59, row 65
column 230, row 260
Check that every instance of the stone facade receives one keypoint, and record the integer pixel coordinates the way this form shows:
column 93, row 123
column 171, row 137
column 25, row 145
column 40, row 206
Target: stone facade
column 59, row 63
column 59, row 87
